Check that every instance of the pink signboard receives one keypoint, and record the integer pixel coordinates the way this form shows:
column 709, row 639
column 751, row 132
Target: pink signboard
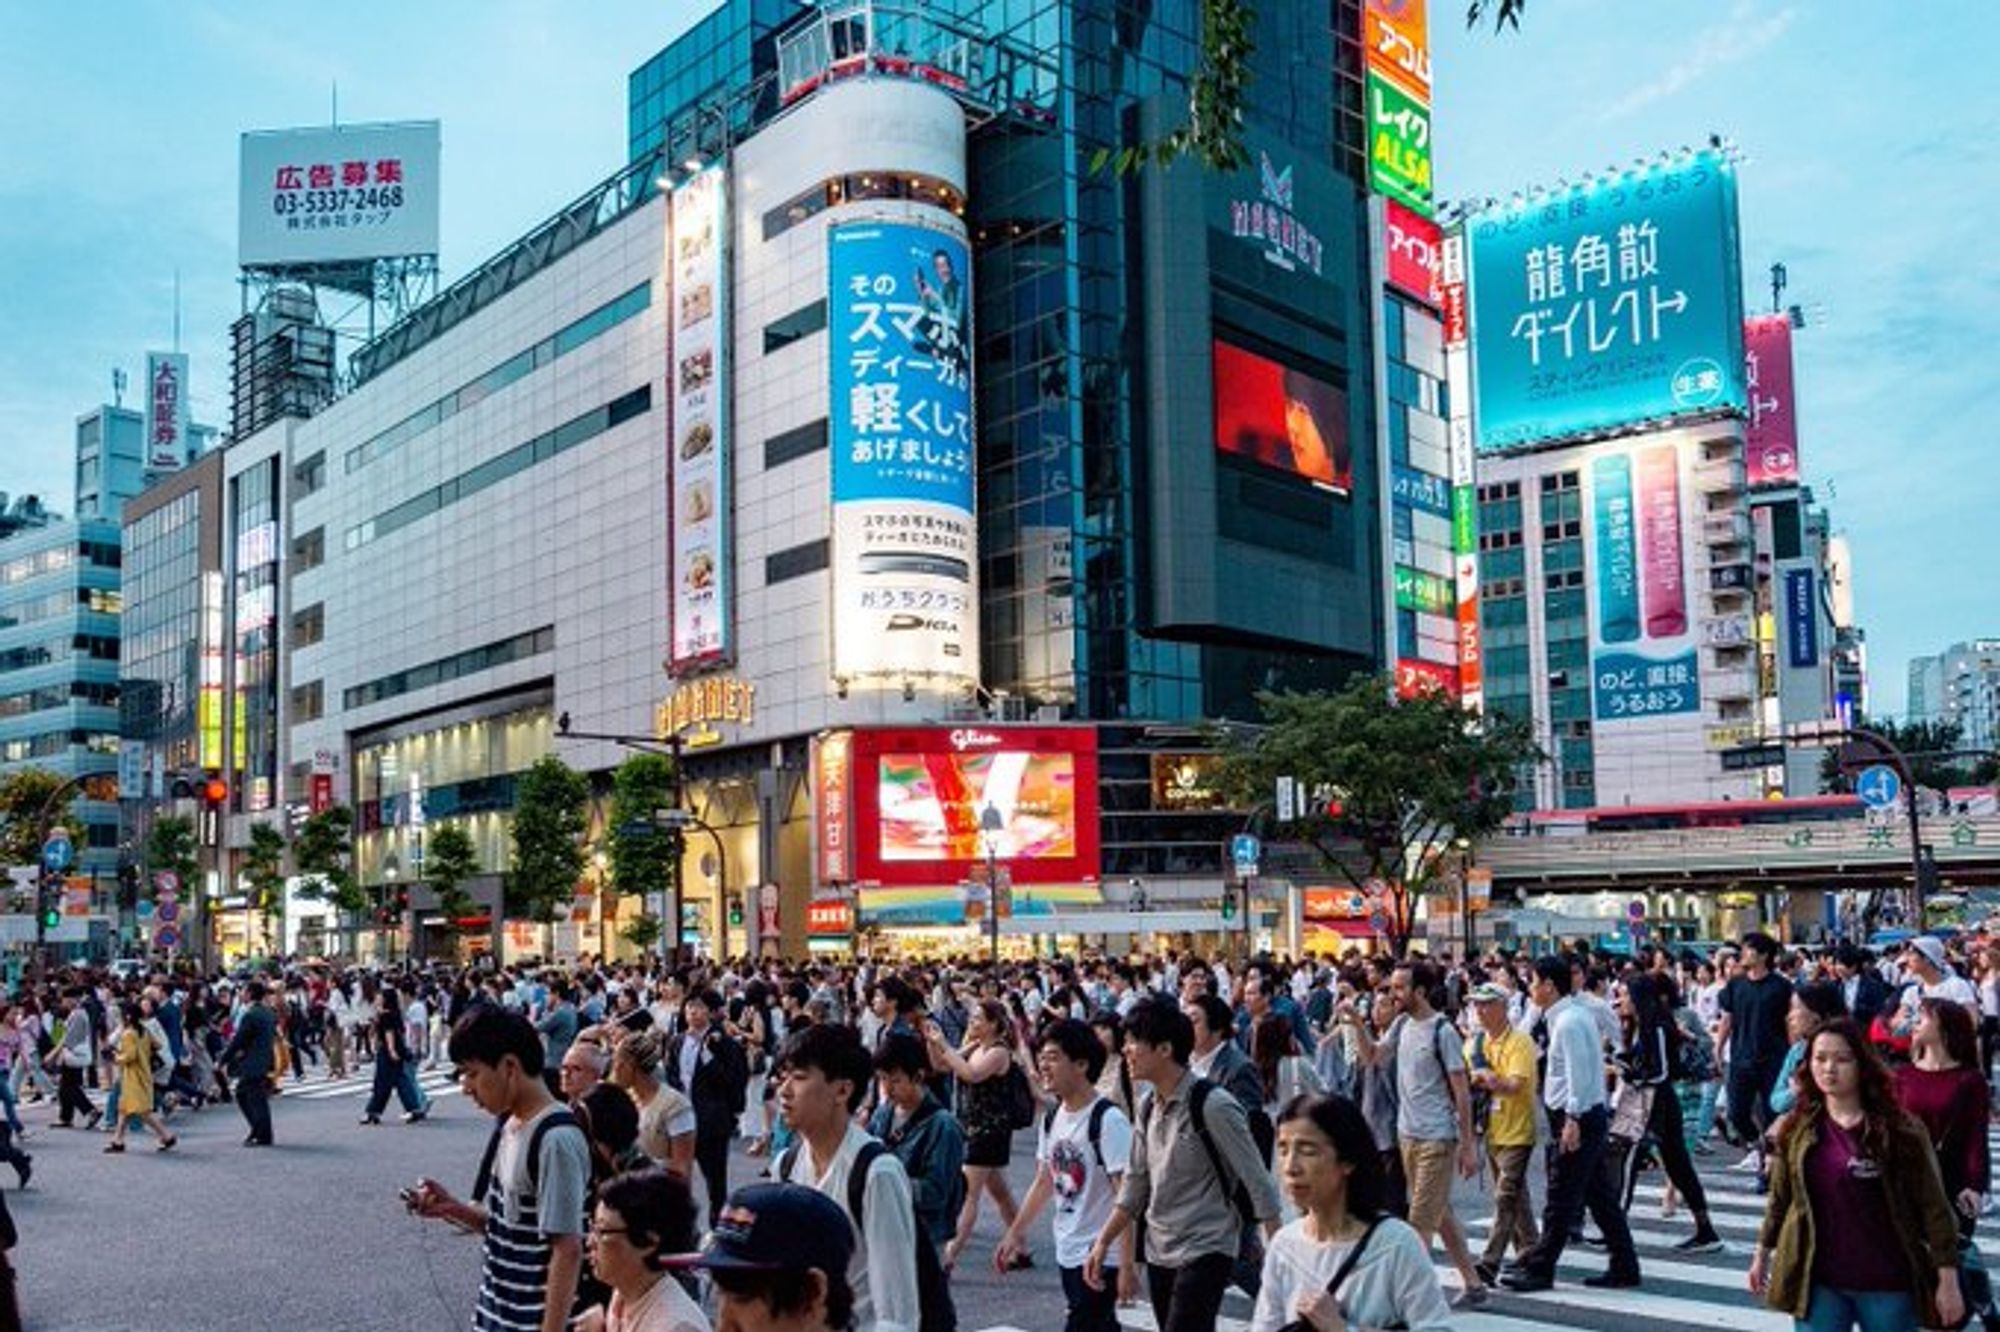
column 1413, row 244
column 1773, row 444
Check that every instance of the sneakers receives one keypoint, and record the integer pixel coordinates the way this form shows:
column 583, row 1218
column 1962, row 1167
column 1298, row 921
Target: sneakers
column 1489, row 1273
column 1472, row 1297
column 1751, row 1163
column 417, row 1116
column 1613, row 1280
column 1704, row 1240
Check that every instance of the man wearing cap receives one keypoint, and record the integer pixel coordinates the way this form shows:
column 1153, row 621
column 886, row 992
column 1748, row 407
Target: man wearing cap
column 779, row 1255
column 1925, row 962
column 1502, row 1064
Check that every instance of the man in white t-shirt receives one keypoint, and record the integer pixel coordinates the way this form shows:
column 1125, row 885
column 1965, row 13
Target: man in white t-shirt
column 1926, row 964
column 1081, row 1151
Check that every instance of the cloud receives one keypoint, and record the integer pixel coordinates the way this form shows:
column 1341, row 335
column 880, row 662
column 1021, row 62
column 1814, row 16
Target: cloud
column 1738, row 37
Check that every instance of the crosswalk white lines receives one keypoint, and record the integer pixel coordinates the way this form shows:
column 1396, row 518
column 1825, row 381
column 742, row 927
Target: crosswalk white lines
column 435, row 1083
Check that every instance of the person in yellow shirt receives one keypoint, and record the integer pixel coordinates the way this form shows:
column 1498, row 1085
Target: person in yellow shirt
column 1502, row 1064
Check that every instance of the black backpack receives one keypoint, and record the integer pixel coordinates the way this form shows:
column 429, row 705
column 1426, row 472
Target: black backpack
column 1097, row 1113
column 1239, row 1193
column 935, row 1312
column 484, row 1179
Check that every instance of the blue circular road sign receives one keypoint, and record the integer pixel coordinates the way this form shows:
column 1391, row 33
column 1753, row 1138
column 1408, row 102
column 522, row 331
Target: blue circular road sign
column 1879, row 787
column 57, row 851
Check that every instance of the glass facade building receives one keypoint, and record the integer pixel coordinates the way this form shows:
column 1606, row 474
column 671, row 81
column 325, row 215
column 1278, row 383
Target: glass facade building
column 60, row 610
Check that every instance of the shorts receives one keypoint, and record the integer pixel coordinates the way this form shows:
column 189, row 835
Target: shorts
column 989, row 1149
column 1428, row 1167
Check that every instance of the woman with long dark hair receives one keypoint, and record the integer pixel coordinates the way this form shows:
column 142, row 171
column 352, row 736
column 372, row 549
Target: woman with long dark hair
column 981, row 1067
column 1943, row 1087
column 1283, row 1071
column 1650, row 1059
column 392, row 1051
column 1858, row 1232
column 1346, row 1262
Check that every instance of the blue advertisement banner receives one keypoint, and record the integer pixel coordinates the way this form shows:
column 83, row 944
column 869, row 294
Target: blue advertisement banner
column 1629, row 685
column 1421, row 490
column 1643, row 655
column 1615, row 303
column 1801, row 619
column 1617, row 551
column 899, row 328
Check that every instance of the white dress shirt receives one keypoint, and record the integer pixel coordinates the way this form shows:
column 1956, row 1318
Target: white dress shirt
column 1575, row 1081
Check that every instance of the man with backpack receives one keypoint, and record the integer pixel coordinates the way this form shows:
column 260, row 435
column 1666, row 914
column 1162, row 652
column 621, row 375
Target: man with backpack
column 1081, row 1153
column 1193, row 1144
column 824, row 1073
column 1433, row 1115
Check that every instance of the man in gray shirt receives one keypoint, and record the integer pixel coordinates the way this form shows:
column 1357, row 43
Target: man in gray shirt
column 1193, row 1146
column 1433, row 1113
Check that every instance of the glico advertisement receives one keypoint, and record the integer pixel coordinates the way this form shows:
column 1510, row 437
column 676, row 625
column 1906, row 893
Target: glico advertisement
column 908, row 807
column 905, row 595
column 1614, row 303
column 1281, row 417
column 1643, row 658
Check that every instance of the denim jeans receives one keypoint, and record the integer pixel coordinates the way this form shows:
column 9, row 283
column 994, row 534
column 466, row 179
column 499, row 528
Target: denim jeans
column 8, row 1099
column 1834, row 1310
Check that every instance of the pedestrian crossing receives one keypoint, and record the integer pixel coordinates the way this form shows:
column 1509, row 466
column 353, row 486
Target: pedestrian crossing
column 1680, row 1290
column 436, row 1084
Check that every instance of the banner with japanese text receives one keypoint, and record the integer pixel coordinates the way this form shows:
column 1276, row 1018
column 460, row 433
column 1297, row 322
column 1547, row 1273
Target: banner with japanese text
column 1616, row 303
column 904, row 557
column 1772, row 443
column 337, row 194
column 1399, row 145
column 1643, row 656
column 166, row 411
column 699, row 446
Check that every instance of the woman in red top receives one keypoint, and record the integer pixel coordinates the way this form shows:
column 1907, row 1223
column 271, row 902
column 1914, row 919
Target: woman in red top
column 1943, row 1087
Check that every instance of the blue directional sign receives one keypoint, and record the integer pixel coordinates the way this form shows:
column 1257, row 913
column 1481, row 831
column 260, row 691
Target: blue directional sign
column 1879, row 787
column 57, row 852
column 1244, row 849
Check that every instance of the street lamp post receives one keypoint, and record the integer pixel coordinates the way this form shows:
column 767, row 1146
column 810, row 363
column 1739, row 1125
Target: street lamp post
column 991, row 825
column 1464, row 847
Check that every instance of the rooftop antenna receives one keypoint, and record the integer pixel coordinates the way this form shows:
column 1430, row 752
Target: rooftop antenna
column 177, row 309
column 117, row 387
column 1779, row 280
column 336, row 103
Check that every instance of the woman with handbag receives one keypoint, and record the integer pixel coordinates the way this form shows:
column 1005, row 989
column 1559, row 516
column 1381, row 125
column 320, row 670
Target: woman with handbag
column 1945, row 1089
column 1858, row 1232
column 1345, row 1265
column 1652, row 1054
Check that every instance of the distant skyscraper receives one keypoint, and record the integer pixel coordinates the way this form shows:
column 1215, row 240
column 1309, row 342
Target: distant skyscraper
column 1960, row 685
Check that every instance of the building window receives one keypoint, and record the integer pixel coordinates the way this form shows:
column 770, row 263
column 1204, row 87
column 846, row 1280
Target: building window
column 309, row 550
column 796, row 562
column 309, row 474
column 800, row 323
column 445, row 669
column 871, row 185
column 309, row 625
column 308, row 701
column 794, row 444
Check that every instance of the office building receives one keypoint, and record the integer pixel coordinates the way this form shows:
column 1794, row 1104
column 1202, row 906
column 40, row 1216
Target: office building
column 1960, row 686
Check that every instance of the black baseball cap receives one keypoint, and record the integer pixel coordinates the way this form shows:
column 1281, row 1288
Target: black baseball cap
column 776, row 1228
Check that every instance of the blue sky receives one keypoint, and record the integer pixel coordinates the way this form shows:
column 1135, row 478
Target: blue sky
column 1874, row 174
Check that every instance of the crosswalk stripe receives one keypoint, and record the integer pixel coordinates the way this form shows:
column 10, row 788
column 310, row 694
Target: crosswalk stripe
column 355, row 1085
column 1641, row 1303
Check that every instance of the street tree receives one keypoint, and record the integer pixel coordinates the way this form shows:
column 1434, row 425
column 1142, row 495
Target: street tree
column 264, row 876
column 323, row 854
column 1387, row 785
column 450, row 860
column 642, row 855
column 23, row 796
column 1933, row 748
column 171, row 848
column 551, row 808
column 642, row 932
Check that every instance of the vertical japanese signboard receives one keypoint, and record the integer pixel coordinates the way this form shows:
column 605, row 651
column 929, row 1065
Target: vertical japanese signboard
column 166, row 410
column 1399, row 145
column 1396, row 36
column 1464, row 522
column 1643, row 656
column 833, row 807
column 701, row 572
column 1413, row 245
column 1801, row 619
column 1614, row 303
column 904, row 558
column 1772, row 442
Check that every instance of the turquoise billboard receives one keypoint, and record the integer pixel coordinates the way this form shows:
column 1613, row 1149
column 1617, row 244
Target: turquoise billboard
column 1608, row 304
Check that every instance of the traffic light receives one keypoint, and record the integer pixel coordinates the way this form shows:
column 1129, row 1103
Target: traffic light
column 214, row 791
column 402, row 901
column 735, row 911
column 51, row 903
column 1229, row 903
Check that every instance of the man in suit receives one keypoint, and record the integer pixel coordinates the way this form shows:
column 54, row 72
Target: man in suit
column 711, row 1070
column 249, row 1056
column 1861, row 985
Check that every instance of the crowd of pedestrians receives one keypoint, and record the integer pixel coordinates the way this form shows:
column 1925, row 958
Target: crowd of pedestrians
column 1301, row 1132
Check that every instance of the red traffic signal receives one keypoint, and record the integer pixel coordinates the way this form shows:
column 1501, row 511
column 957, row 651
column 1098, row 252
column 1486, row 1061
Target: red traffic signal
column 214, row 791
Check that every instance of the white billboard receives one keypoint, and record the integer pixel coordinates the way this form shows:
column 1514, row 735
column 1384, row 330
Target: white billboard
column 338, row 194
column 698, row 441
column 166, row 411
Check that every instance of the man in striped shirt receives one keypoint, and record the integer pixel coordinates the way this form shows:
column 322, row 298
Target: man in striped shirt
column 531, row 1184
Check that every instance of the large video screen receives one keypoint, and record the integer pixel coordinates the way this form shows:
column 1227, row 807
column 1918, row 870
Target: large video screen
column 931, row 804
column 1281, row 417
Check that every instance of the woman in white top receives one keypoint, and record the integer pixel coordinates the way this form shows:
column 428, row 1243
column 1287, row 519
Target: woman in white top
column 1346, row 1265
column 640, row 1219
column 666, row 1118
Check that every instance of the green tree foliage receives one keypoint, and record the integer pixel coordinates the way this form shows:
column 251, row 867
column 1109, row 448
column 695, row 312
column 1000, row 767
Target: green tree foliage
column 171, row 847
column 1926, row 744
column 550, row 818
column 642, row 856
column 264, row 876
column 449, row 861
column 1392, row 782
column 643, row 932
column 23, row 795
column 323, row 851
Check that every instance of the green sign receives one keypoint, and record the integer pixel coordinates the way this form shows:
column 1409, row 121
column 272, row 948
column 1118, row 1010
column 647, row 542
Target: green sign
column 1464, row 521
column 1419, row 591
column 1399, row 145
